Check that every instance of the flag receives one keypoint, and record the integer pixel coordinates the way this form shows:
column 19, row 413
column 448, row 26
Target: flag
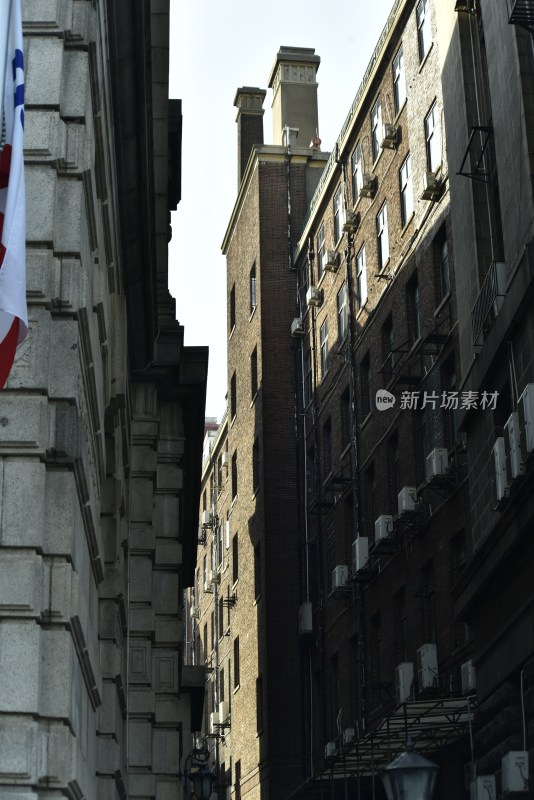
column 13, row 311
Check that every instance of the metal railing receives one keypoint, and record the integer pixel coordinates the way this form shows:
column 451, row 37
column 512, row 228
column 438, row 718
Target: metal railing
column 487, row 304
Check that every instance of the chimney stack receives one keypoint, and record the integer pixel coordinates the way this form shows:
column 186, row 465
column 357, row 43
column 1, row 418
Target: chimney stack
column 293, row 80
column 249, row 102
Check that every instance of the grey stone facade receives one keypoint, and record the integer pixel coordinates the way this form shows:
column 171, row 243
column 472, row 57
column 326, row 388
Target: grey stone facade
column 101, row 423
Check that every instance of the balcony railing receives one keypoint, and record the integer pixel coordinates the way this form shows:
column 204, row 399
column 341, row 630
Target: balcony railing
column 521, row 12
column 489, row 301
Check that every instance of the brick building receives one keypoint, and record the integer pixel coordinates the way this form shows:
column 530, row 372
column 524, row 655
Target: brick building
column 370, row 546
column 102, row 423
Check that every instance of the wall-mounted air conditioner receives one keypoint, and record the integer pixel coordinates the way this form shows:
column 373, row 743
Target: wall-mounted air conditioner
column 437, row 463
column 383, row 526
column 501, row 489
column 314, row 296
column 195, row 612
column 432, row 186
column 348, row 736
column 483, row 788
column 468, row 677
column 225, row 458
column 352, row 222
column 515, row 466
column 206, row 517
column 368, row 185
column 407, row 500
column 340, row 576
column 514, row 772
column 305, row 619
column 214, row 722
column 330, row 750
column 390, row 136
column 297, row 328
column 360, row 553
column 403, row 681
column 525, row 409
column 427, row 666
column 331, row 261
column 224, row 711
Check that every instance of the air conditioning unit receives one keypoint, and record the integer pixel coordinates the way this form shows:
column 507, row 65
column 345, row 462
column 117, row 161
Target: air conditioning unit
column 360, row 553
column 368, row 185
column 525, row 409
column 305, row 619
column 206, row 517
column 297, row 328
column 515, row 466
column 207, row 584
column 195, row 612
column 501, row 489
column 432, row 186
column 437, row 463
column 403, row 681
column 340, row 577
column 225, row 458
column 407, row 500
column 427, row 666
column 390, row 137
column 331, row 261
column 383, row 526
column 483, row 788
column 214, row 722
column 330, row 750
column 514, row 772
column 352, row 222
column 468, row 677
column 314, row 296
column 348, row 736
column 224, row 711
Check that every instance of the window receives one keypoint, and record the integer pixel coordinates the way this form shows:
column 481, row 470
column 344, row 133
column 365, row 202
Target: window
column 382, row 236
column 424, row 33
column 365, row 384
column 361, row 277
column 220, row 546
column 338, row 213
column 205, row 572
column 205, row 641
column 327, row 447
column 204, row 499
column 307, row 379
column 221, row 632
column 399, row 81
column 450, row 413
column 323, row 336
column 433, row 139
column 259, row 704
column 236, row 662
column 458, row 555
column 330, row 553
column 303, row 284
column 370, row 496
column 344, row 412
column 401, row 626
column 232, row 308
column 257, row 571
column 233, row 396
column 237, row 782
column 234, row 475
column 406, row 190
column 357, row 172
column 414, row 311
column 342, row 313
column 377, row 673
column 320, row 252
column 443, row 278
column 387, row 347
column 253, row 288
column 393, row 471
column 376, row 128
column 256, row 465
column 235, row 559
column 213, row 628
column 421, row 445
column 428, row 594
column 254, row 373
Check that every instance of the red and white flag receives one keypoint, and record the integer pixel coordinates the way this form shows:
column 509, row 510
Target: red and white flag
column 13, row 311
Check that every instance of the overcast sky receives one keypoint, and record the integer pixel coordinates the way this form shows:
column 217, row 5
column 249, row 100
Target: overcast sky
column 214, row 49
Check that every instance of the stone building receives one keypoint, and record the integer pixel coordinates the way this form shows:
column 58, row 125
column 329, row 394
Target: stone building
column 102, row 422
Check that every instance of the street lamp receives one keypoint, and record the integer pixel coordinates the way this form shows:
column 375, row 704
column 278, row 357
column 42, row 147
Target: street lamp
column 201, row 776
column 410, row 776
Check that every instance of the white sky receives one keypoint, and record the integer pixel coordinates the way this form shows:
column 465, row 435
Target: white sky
column 214, row 49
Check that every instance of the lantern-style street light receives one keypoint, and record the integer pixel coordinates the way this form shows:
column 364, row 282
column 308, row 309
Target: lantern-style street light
column 410, row 776
column 201, row 777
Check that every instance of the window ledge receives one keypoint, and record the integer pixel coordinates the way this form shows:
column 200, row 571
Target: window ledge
column 426, row 56
column 252, row 312
column 407, row 223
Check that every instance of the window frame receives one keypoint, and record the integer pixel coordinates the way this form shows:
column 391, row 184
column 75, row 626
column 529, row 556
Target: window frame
column 338, row 213
column 382, row 236
column 320, row 251
column 342, row 313
column 399, row 80
column 323, row 345
column 377, row 128
column 357, row 172
column 361, row 277
column 424, row 29
column 433, row 142
column 406, row 190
